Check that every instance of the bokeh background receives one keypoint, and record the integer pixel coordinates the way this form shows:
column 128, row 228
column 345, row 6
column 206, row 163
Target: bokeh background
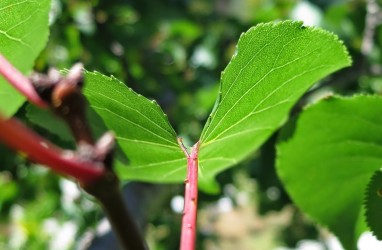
column 174, row 51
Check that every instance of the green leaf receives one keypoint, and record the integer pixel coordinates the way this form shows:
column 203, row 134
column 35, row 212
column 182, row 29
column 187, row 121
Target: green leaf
column 373, row 204
column 23, row 34
column 327, row 161
column 46, row 119
column 141, row 128
column 274, row 65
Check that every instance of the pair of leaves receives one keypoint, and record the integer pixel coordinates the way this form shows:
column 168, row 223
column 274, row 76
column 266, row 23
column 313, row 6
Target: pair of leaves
column 274, row 65
column 23, row 34
column 326, row 159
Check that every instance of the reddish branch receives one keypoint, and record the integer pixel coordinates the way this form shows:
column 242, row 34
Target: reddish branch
column 91, row 164
column 67, row 101
column 65, row 98
column 20, row 138
column 188, row 233
column 20, row 82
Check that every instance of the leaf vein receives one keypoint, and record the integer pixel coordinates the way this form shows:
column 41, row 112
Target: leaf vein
column 133, row 123
column 18, row 3
column 254, row 85
column 146, row 142
column 137, row 111
column 156, row 164
column 238, row 76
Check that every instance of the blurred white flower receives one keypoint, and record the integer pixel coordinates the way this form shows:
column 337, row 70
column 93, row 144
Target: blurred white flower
column 61, row 236
column 177, row 204
column 308, row 13
column 367, row 241
column 18, row 234
column 70, row 192
column 224, row 204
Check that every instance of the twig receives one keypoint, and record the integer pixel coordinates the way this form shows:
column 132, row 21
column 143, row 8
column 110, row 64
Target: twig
column 68, row 102
column 65, row 98
column 108, row 193
column 91, row 164
column 20, row 82
column 20, row 138
column 188, row 234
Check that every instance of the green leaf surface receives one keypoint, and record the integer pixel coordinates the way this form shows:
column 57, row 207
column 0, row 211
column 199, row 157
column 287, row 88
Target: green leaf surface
column 54, row 124
column 141, row 128
column 23, row 34
column 274, row 65
column 373, row 204
column 326, row 158
column 46, row 119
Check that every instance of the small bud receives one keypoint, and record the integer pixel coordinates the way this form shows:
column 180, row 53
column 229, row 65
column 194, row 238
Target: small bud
column 105, row 149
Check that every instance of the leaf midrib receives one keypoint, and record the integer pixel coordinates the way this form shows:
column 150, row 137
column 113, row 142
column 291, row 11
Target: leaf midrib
column 138, row 112
column 256, row 84
column 237, row 76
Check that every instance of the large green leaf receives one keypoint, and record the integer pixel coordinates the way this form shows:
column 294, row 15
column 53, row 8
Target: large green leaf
column 325, row 165
column 23, row 34
column 142, row 130
column 274, row 65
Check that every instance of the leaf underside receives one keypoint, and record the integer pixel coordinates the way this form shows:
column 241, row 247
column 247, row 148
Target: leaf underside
column 274, row 65
column 142, row 131
column 23, row 34
column 327, row 161
column 373, row 204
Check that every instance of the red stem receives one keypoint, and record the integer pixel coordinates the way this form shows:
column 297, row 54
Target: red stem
column 17, row 136
column 188, row 235
column 20, row 82
column 95, row 176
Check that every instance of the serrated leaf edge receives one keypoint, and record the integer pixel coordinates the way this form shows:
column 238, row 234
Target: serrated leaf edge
column 265, row 25
column 365, row 202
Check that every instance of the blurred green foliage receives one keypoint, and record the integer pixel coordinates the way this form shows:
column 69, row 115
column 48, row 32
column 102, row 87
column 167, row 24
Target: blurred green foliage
column 172, row 51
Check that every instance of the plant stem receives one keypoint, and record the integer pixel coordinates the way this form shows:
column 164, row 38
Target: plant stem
column 20, row 82
column 108, row 193
column 91, row 165
column 20, row 138
column 188, row 234
column 102, row 183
